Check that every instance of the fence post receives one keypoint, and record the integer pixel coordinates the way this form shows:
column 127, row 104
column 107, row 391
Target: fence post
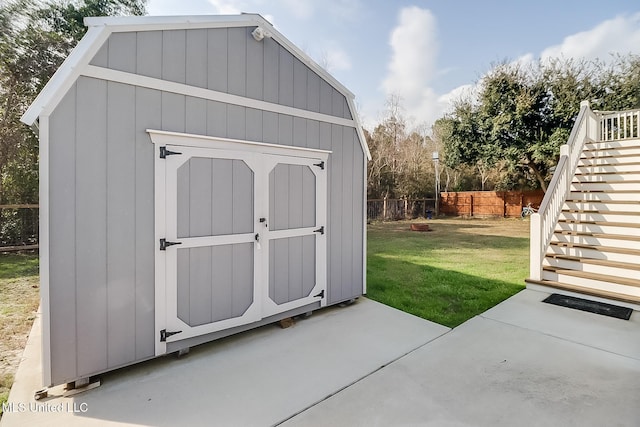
column 384, row 208
column 406, row 207
column 471, row 205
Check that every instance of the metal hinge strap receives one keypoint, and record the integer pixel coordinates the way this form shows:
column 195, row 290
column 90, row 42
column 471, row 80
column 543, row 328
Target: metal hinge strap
column 164, row 152
column 164, row 244
column 320, row 165
column 164, row 334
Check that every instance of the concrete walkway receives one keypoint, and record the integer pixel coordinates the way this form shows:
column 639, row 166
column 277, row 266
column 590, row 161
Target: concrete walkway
column 521, row 363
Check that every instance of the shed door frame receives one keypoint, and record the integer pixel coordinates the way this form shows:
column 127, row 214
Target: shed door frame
column 164, row 138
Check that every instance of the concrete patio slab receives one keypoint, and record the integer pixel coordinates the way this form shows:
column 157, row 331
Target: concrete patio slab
column 256, row 378
column 523, row 363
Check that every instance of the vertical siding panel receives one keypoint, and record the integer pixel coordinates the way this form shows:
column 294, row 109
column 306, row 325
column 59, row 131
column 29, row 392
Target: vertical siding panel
column 313, row 91
column 347, row 214
column 183, row 285
column 255, row 67
column 295, row 268
column 122, row 52
column 148, row 116
column 358, row 215
column 254, row 125
column 270, row 127
column 271, row 73
column 91, row 225
column 200, row 196
column 335, row 215
column 200, row 276
column 326, row 92
column 313, row 134
column 285, row 80
column 308, row 198
column 101, row 59
column 308, row 264
column 217, row 59
column 281, row 270
column 149, row 53
column 237, row 65
column 236, row 122
column 222, row 290
column 174, row 55
column 242, row 184
column 173, row 112
column 216, row 119
column 196, row 58
column 280, row 216
column 337, row 103
column 242, row 287
column 296, row 196
column 183, row 178
column 222, row 197
column 196, row 116
column 285, row 130
column 299, row 132
column 299, row 84
column 62, row 239
column 121, row 231
column 346, row 110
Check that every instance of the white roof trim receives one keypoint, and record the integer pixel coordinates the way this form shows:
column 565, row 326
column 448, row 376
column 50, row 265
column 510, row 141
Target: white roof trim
column 101, row 27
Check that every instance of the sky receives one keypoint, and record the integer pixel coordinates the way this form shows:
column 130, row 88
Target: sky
column 430, row 52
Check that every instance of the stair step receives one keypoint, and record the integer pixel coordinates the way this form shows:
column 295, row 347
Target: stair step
column 608, row 177
column 608, row 168
column 602, row 207
column 597, row 239
column 603, row 262
column 608, row 160
column 622, row 217
column 595, row 277
column 605, row 196
column 619, row 143
column 585, row 290
column 612, row 268
column 631, row 229
column 625, row 255
column 631, row 186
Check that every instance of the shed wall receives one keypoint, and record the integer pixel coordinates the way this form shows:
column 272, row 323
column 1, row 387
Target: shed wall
column 101, row 179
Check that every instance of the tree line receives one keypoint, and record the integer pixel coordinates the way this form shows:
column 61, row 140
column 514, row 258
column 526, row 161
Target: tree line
column 505, row 136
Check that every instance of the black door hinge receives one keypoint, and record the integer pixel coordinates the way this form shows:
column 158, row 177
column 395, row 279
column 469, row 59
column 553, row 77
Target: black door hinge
column 164, row 152
column 321, row 294
column 319, row 230
column 164, row 334
column 320, row 165
column 164, row 244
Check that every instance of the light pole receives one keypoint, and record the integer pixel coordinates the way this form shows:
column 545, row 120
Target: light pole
column 436, row 161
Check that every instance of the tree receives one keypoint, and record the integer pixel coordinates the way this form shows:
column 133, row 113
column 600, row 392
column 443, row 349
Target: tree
column 35, row 38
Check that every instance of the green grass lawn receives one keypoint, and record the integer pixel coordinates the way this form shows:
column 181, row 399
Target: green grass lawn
column 460, row 269
column 19, row 298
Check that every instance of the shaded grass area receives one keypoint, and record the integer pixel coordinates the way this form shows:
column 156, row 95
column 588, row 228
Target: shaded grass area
column 19, row 299
column 460, row 269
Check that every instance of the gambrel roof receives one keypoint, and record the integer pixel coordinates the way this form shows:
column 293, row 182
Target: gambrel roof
column 100, row 28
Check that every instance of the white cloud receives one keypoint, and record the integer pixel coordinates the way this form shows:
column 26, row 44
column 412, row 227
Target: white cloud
column 336, row 59
column 620, row 35
column 225, row 7
column 412, row 66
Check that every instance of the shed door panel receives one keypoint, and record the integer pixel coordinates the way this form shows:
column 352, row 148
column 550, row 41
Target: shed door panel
column 297, row 248
column 211, row 278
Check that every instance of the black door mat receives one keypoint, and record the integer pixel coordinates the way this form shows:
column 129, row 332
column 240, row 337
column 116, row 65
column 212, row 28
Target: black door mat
column 590, row 306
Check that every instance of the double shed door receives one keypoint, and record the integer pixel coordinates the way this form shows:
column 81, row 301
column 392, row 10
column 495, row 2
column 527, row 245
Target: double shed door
column 243, row 238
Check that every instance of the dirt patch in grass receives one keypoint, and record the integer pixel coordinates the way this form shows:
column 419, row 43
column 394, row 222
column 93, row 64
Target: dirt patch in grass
column 19, row 300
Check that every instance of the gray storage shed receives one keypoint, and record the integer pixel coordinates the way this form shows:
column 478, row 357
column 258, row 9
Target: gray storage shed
column 199, row 176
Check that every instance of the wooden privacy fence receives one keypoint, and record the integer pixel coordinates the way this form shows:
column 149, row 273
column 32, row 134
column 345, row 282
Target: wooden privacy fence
column 386, row 209
column 18, row 227
column 489, row 203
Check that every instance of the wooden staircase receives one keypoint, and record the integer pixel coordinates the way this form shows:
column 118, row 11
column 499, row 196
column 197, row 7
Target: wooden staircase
column 594, row 246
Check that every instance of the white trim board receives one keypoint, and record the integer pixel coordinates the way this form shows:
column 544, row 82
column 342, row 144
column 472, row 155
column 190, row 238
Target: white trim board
column 161, row 137
column 211, row 95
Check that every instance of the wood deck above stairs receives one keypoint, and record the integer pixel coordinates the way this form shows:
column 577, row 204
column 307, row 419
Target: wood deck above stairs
column 595, row 248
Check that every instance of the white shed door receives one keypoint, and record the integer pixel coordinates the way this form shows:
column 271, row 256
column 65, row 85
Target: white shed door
column 244, row 238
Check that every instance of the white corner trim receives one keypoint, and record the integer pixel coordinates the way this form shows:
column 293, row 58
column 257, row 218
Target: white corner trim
column 212, row 95
column 44, row 250
column 67, row 74
column 160, row 137
column 358, row 126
